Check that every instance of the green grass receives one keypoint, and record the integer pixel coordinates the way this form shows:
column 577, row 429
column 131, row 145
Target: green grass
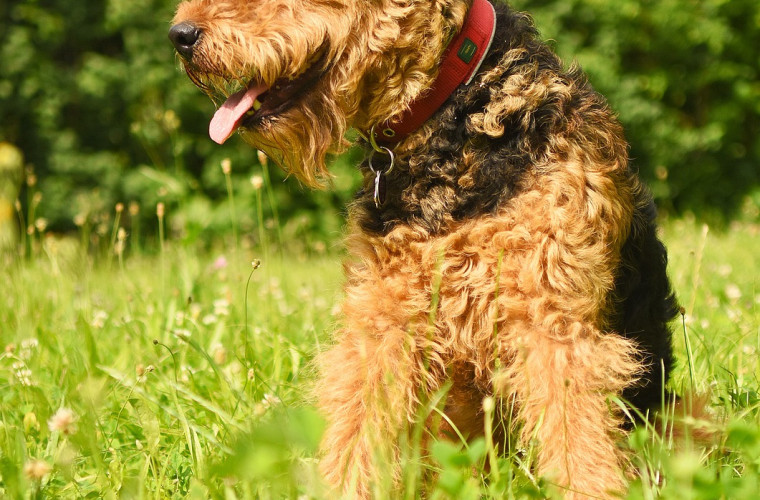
column 188, row 375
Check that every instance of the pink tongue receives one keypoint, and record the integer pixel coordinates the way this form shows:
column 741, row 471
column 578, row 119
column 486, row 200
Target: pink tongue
column 228, row 117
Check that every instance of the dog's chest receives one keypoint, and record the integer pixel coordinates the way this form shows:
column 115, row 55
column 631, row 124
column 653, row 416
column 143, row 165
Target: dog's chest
column 441, row 187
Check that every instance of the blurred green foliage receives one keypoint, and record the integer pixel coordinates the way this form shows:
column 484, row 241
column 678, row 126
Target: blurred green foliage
column 91, row 92
column 93, row 95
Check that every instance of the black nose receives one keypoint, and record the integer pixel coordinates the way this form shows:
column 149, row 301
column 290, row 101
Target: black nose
column 184, row 36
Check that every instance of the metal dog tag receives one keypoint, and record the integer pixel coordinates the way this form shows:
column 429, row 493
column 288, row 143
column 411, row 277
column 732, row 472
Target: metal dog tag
column 380, row 181
column 379, row 188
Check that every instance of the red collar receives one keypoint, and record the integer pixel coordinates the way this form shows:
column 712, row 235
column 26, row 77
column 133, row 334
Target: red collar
column 460, row 62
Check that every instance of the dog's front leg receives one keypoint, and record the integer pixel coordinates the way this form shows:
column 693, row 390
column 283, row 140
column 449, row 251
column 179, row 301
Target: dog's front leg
column 563, row 387
column 368, row 393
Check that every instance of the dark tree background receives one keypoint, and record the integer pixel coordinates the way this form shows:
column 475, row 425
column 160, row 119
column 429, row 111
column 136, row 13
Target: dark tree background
column 93, row 96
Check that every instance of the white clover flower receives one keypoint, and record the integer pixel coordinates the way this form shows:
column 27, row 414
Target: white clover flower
column 99, row 319
column 28, row 346
column 63, row 421
column 221, row 307
column 257, row 182
column 24, row 376
column 30, row 343
column 219, row 354
column 270, row 400
column 262, row 157
column 733, row 292
column 226, row 166
column 182, row 333
column 36, row 469
column 179, row 318
column 195, row 311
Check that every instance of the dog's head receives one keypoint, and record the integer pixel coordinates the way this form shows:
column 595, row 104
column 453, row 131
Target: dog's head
column 293, row 75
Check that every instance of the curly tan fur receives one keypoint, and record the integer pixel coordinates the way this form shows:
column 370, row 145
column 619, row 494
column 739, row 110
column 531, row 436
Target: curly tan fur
column 515, row 255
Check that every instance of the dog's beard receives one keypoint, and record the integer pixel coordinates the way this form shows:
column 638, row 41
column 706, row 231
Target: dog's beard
column 301, row 138
column 297, row 137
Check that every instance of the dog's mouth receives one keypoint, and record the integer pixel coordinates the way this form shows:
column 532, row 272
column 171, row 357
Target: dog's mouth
column 247, row 104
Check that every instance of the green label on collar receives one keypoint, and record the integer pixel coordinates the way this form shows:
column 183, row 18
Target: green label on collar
column 467, row 50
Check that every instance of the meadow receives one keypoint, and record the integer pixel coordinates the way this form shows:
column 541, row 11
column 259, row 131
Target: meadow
column 169, row 353
column 183, row 370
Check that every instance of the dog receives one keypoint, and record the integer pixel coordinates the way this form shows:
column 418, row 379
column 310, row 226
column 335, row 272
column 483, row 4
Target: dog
column 501, row 246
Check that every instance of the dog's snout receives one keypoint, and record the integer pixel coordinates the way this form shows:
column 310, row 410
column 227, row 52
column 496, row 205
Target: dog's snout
column 185, row 36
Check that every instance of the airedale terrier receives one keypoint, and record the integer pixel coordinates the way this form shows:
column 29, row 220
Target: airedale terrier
column 501, row 245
